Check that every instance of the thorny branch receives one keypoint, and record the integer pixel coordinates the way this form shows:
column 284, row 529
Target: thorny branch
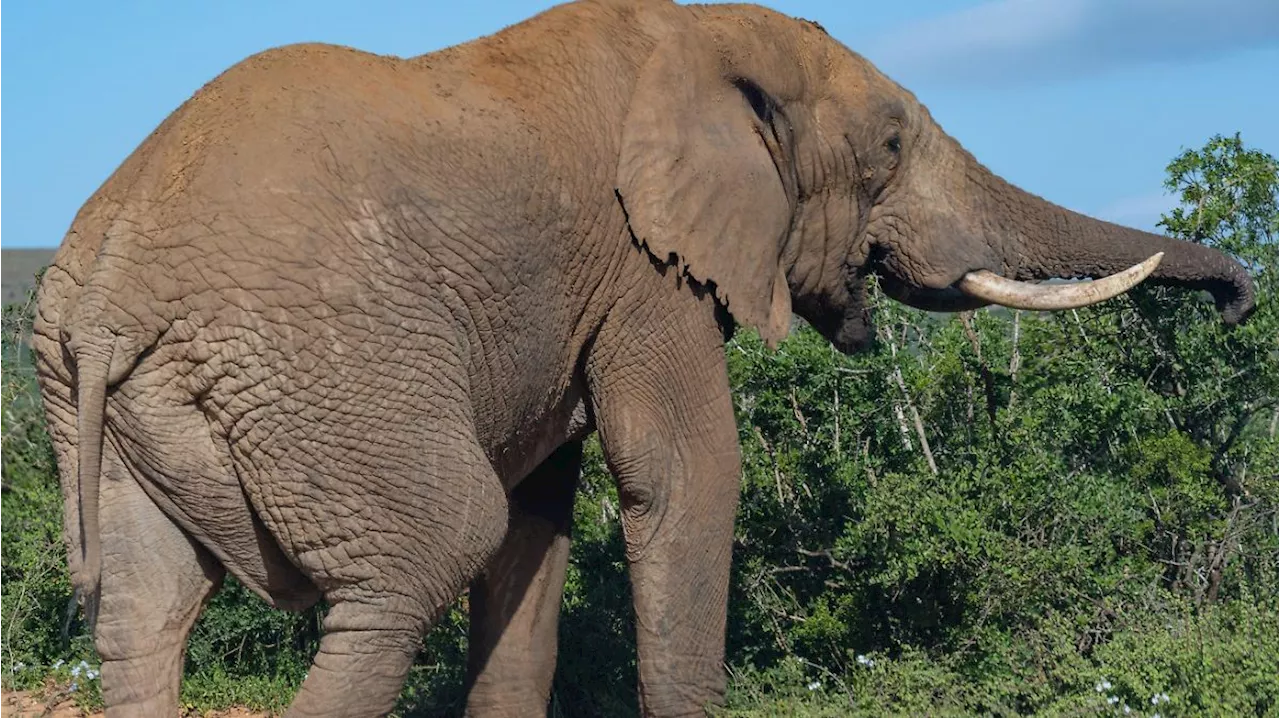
column 1015, row 361
column 910, row 407
column 988, row 380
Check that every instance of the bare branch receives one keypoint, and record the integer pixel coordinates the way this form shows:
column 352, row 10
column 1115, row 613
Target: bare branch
column 1015, row 361
column 988, row 381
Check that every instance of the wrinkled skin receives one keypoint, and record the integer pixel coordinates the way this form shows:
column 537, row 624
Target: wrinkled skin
column 340, row 324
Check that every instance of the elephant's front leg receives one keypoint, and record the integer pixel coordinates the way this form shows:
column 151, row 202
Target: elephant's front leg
column 515, row 603
column 667, row 428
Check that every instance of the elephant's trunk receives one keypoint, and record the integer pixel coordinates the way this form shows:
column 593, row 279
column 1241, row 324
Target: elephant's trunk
column 1043, row 241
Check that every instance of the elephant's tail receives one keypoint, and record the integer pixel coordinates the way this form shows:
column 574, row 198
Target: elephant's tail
column 92, row 369
column 104, row 341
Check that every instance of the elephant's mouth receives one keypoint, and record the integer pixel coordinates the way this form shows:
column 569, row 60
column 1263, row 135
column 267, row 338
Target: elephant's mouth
column 982, row 287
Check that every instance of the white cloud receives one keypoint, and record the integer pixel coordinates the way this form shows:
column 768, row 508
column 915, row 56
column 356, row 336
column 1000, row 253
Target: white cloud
column 1011, row 41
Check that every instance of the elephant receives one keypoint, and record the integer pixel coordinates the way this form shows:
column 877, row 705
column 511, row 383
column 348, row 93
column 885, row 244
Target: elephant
column 340, row 325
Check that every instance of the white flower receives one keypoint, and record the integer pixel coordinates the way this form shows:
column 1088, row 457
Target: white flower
column 1106, row 684
column 862, row 659
column 1113, row 699
column 74, row 685
column 92, row 675
column 815, row 686
column 75, row 672
column 1156, row 715
column 58, row 663
column 1125, row 708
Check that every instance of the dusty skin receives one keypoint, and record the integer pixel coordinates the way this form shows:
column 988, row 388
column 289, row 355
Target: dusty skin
column 341, row 323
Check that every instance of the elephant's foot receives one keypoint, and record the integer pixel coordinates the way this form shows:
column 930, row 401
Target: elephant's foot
column 142, row 686
column 527, row 699
column 686, row 697
column 358, row 672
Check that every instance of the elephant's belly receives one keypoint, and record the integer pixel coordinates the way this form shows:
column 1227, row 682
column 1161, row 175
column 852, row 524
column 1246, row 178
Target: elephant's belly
column 522, row 451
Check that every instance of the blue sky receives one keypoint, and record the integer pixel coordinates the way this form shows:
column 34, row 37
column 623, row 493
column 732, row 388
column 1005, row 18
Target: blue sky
column 1081, row 101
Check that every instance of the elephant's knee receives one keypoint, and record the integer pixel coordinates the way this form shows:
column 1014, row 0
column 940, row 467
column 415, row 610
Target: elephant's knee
column 667, row 480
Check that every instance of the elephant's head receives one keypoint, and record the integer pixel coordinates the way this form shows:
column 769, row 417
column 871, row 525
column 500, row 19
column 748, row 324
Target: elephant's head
column 778, row 168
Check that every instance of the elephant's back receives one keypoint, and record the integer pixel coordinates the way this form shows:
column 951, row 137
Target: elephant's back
column 257, row 179
column 281, row 121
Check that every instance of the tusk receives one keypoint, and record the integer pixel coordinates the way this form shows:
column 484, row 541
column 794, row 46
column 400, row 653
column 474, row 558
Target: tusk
column 993, row 288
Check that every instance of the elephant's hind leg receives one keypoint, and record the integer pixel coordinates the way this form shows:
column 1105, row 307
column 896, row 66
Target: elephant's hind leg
column 389, row 573
column 155, row 580
column 515, row 604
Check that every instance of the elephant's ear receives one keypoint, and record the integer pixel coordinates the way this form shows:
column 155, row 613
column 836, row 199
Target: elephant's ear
column 706, row 179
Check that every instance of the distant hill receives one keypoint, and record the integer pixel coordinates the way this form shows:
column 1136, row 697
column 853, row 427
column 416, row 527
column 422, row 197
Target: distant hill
column 18, row 268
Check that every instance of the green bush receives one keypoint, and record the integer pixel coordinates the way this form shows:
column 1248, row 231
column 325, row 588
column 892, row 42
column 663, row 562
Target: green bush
column 40, row 624
column 996, row 513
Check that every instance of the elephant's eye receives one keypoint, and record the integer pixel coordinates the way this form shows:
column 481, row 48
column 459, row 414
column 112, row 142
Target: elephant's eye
column 894, row 144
